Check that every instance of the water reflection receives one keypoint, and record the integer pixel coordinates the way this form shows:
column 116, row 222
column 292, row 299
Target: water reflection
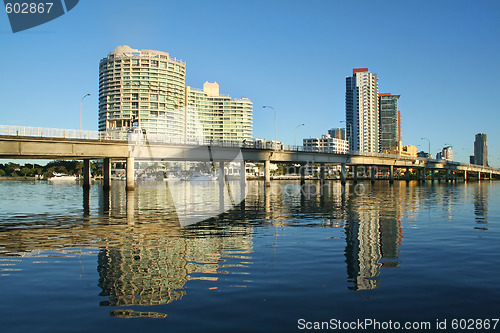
column 145, row 257
column 481, row 206
column 373, row 235
column 151, row 273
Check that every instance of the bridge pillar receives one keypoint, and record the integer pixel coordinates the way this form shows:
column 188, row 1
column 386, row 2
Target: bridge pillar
column 355, row 173
column 423, row 175
column 267, row 173
column 447, row 175
column 372, row 173
column 86, row 174
column 106, row 173
column 303, row 174
column 222, row 181
column 407, row 174
column 465, row 175
column 391, row 174
column 322, row 174
column 243, row 178
column 342, row 173
column 130, row 174
column 479, row 175
column 491, row 175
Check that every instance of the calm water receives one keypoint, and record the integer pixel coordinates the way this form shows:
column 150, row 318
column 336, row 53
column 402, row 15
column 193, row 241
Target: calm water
column 76, row 262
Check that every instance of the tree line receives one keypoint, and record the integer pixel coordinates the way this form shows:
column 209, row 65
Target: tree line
column 16, row 170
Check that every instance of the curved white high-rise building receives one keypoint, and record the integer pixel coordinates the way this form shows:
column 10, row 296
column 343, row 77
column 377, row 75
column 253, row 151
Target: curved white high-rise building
column 142, row 88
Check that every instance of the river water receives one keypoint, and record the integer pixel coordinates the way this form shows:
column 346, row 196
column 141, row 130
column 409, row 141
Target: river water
column 285, row 258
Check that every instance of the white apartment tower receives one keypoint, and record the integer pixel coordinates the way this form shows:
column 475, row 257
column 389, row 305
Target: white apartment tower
column 362, row 110
column 142, row 88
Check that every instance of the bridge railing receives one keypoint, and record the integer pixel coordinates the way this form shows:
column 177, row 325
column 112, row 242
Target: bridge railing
column 43, row 132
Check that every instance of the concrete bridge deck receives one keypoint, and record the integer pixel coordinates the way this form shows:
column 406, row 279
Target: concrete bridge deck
column 31, row 147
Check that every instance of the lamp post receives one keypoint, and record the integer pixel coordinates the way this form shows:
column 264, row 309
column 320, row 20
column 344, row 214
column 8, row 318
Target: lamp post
column 429, row 145
column 295, row 134
column 275, row 134
column 350, row 133
column 81, row 110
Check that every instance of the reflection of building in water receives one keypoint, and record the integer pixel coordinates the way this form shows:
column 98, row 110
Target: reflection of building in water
column 373, row 236
column 481, row 205
column 155, row 273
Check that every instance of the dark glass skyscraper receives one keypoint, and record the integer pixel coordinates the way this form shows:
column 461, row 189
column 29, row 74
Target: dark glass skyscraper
column 389, row 122
column 480, row 150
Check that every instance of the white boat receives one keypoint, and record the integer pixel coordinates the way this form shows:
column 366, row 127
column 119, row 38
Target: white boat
column 61, row 177
column 202, row 177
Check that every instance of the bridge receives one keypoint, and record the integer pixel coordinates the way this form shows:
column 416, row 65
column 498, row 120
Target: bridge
column 44, row 143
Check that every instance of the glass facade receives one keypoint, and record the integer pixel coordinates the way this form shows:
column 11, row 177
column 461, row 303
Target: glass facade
column 389, row 122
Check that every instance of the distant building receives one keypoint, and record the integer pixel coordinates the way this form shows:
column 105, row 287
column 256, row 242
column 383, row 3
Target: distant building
column 338, row 133
column 326, row 144
column 389, row 117
column 221, row 117
column 480, row 150
column 448, row 153
column 362, row 110
column 472, row 160
column 424, row 154
column 445, row 154
column 409, row 150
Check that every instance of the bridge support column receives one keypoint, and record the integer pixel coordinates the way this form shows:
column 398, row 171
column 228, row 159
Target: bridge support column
column 372, row 173
column 222, row 181
column 447, row 175
column 322, row 174
column 355, row 173
column 407, row 174
column 303, row 174
column 267, row 173
column 465, row 175
column 130, row 174
column 342, row 173
column 391, row 174
column 479, row 175
column 423, row 175
column 491, row 175
column 243, row 178
column 86, row 174
column 106, row 173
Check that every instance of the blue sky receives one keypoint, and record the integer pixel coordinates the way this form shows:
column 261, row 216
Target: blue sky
column 442, row 57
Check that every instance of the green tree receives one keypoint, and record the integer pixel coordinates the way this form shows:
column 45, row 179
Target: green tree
column 26, row 171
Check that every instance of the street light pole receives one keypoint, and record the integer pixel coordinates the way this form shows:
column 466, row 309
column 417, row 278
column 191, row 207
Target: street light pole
column 429, row 145
column 350, row 133
column 81, row 110
column 275, row 132
column 295, row 134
